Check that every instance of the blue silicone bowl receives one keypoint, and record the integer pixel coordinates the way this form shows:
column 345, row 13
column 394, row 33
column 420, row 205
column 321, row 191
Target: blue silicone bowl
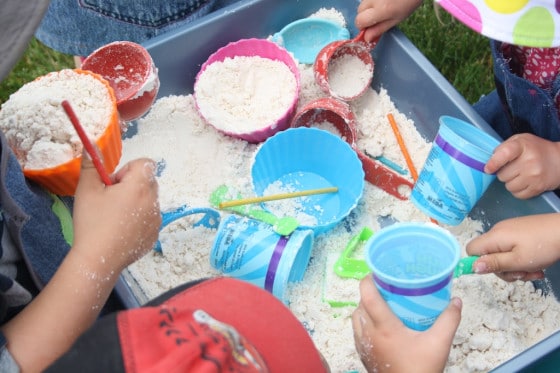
column 305, row 37
column 309, row 158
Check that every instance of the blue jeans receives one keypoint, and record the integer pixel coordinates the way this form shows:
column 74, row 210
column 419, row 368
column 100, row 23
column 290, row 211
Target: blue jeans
column 78, row 27
column 517, row 105
column 26, row 209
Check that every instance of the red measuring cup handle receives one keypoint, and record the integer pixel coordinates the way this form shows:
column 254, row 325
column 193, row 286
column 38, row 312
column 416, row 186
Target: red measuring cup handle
column 386, row 179
column 339, row 114
column 360, row 38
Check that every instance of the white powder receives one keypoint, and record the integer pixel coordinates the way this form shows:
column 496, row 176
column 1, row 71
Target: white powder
column 37, row 127
column 150, row 83
column 499, row 319
column 244, row 94
column 330, row 14
column 348, row 68
column 294, row 207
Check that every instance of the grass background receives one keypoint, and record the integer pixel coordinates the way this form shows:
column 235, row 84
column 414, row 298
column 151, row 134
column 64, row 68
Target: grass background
column 461, row 55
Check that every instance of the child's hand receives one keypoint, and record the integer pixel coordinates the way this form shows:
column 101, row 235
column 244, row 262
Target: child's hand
column 378, row 16
column 527, row 164
column 386, row 345
column 518, row 248
column 115, row 225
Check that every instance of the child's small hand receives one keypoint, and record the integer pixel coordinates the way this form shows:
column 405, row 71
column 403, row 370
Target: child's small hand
column 518, row 248
column 385, row 344
column 117, row 224
column 527, row 164
column 378, row 16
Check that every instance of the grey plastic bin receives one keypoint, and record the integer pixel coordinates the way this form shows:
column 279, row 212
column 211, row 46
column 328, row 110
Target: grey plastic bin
column 413, row 83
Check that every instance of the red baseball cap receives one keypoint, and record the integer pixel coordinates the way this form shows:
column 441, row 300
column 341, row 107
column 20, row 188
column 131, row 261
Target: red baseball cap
column 220, row 324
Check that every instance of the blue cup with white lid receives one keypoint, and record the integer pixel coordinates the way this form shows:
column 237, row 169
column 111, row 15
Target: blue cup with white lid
column 412, row 266
column 453, row 178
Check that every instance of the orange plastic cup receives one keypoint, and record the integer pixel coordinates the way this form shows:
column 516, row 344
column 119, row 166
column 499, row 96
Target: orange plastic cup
column 63, row 179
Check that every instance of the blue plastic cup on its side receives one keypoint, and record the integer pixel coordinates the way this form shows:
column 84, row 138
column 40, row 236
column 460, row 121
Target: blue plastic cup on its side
column 453, row 178
column 412, row 266
column 250, row 250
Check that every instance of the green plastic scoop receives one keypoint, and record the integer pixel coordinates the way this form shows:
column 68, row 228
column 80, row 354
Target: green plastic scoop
column 349, row 267
column 465, row 266
column 284, row 226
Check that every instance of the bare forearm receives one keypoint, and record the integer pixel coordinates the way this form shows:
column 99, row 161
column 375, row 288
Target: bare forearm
column 113, row 226
column 66, row 307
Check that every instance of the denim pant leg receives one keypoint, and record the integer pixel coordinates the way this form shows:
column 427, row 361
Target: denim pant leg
column 78, row 27
column 491, row 109
column 33, row 226
column 517, row 105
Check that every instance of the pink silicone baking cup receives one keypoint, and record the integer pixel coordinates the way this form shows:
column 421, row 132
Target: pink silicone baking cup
column 251, row 48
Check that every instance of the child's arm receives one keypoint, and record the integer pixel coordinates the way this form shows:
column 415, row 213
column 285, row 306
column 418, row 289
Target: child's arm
column 386, row 345
column 527, row 164
column 518, row 248
column 378, row 16
column 113, row 226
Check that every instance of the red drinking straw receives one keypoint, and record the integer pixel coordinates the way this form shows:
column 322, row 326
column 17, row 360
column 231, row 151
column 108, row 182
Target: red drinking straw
column 87, row 144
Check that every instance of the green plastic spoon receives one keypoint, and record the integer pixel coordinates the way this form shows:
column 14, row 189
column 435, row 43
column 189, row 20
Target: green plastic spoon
column 284, row 226
column 349, row 267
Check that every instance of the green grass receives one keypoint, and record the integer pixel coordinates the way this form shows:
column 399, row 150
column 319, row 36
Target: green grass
column 37, row 60
column 461, row 55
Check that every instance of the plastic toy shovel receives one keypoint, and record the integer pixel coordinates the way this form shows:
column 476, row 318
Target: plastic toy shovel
column 349, row 267
column 284, row 226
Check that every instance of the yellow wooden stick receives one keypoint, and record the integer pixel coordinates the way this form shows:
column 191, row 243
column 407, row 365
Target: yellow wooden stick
column 273, row 197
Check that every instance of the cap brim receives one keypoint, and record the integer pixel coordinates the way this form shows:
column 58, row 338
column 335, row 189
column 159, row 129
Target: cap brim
column 261, row 318
column 19, row 20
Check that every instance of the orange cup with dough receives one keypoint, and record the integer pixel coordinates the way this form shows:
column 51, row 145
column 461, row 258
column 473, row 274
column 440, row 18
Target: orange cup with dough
column 63, row 178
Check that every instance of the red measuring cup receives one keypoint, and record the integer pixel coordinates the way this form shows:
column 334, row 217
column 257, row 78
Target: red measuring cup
column 344, row 68
column 130, row 71
column 338, row 113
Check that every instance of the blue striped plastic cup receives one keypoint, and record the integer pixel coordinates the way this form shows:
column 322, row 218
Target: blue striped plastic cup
column 453, row 178
column 250, row 250
column 412, row 266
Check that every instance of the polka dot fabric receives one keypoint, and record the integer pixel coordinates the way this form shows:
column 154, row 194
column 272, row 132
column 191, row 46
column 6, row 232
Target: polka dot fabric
column 540, row 66
column 520, row 22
